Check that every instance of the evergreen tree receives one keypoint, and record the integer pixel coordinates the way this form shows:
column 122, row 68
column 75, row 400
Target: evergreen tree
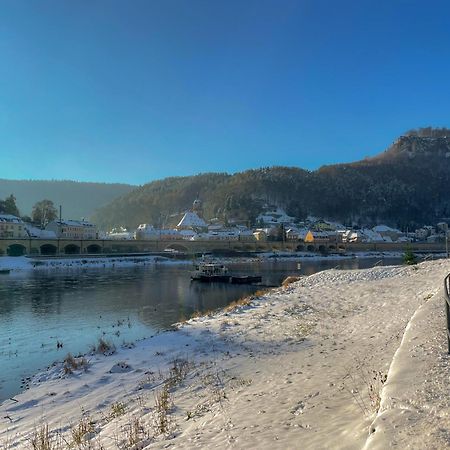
column 409, row 257
column 8, row 206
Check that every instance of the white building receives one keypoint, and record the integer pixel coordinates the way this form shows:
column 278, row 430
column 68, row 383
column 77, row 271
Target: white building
column 146, row 231
column 275, row 217
column 73, row 229
column 218, row 235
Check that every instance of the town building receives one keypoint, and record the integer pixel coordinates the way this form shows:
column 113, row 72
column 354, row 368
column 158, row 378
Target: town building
column 12, row 227
column 387, row 233
column 275, row 216
column 146, row 231
column 73, row 229
column 319, row 237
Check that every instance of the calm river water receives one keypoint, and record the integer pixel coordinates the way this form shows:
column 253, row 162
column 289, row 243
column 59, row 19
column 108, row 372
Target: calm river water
column 78, row 306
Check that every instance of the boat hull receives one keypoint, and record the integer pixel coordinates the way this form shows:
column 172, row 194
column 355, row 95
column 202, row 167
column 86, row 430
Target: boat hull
column 245, row 279
column 211, row 278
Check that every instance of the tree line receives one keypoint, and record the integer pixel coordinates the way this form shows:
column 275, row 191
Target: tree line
column 43, row 211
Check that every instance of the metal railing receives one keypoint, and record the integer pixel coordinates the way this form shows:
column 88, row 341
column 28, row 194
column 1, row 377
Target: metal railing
column 447, row 307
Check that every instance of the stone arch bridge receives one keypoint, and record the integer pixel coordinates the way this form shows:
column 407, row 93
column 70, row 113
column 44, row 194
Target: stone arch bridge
column 57, row 247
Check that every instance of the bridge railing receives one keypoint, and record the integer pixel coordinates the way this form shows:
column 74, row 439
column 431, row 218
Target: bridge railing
column 447, row 307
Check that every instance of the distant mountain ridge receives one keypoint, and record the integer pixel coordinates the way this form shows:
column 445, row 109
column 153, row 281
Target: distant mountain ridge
column 405, row 186
column 78, row 199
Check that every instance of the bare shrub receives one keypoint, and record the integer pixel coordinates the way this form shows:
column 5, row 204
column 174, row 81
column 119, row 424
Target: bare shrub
column 372, row 381
column 375, row 387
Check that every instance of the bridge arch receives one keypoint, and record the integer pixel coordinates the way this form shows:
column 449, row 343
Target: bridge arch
column 48, row 249
column 322, row 248
column 16, row 250
column 94, row 248
column 300, row 248
column 72, row 249
column 310, row 248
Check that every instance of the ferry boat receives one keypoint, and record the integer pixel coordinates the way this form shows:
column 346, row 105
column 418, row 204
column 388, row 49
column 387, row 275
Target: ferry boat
column 210, row 272
column 216, row 272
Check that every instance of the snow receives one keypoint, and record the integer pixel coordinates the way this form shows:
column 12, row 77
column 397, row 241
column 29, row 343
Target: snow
column 38, row 233
column 22, row 263
column 72, row 223
column 10, row 218
column 275, row 217
column 293, row 365
column 191, row 220
column 384, row 228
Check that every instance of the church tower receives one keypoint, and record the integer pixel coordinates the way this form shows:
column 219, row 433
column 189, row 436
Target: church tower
column 197, row 207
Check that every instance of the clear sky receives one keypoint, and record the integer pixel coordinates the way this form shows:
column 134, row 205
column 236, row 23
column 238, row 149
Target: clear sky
column 132, row 91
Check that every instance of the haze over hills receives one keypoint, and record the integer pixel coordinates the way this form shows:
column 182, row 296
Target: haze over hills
column 78, row 199
column 405, row 186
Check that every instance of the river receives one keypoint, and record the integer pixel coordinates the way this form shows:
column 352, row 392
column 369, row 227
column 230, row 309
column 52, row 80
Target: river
column 77, row 307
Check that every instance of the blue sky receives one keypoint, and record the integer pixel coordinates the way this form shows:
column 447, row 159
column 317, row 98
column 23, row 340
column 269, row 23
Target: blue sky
column 132, row 91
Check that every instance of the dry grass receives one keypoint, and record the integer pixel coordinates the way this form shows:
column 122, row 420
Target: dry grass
column 118, row 409
column 178, row 372
column 135, row 433
column 81, row 432
column 42, row 439
column 261, row 292
column 290, row 279
column 244, row 301
column 104, row 347
column 162, row 422
column 71, row 363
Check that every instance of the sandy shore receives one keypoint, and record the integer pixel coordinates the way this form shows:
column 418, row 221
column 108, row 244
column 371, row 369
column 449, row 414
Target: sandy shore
column 340, row 359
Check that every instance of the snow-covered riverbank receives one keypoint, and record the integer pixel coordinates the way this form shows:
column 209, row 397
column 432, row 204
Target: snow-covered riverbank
column 303, row 364
column 23, row 263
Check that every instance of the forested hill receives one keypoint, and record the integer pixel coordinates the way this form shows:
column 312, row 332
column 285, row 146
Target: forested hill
column 405, row 186
column 77, row 199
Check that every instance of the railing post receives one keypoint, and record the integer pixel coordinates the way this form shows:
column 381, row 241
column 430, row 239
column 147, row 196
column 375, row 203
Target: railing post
column 447, row 308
